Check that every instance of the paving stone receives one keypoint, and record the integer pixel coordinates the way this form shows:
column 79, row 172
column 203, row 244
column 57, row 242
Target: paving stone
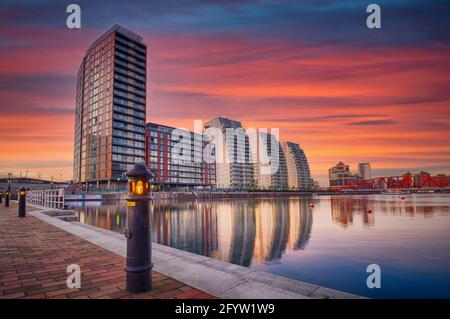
column 35, row 255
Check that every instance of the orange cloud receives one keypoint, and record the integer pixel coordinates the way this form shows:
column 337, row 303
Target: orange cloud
column 386, row 105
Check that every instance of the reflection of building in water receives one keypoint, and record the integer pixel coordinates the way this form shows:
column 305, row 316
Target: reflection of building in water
column 236, row 232
column 243, row 239
column 368, row 218
column 280, row 231
column 301, row 220
column 261, row 229
column 111, row 217
column 272, row 230
column 188, row 226
column 343, row 209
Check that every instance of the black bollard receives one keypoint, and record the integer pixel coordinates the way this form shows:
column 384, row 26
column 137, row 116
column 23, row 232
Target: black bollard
column 1, row 197
column 138, row 265
column 7, row 199
column 22, row 202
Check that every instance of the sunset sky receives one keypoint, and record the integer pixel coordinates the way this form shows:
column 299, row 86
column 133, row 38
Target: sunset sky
column 311, row 68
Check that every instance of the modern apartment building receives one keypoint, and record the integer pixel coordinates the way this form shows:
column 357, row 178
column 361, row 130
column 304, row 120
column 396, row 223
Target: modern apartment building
column 340, row 175
column 364, row 170
column 298, row 172
column 234, row 165
column 270, row 162
column 110, row 107
column 176, row 157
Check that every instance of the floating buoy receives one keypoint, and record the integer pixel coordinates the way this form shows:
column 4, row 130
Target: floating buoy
column 311, row 205
column 369, row 211
column 402, row 198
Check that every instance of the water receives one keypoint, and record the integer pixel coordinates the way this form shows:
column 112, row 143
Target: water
column 329, row 244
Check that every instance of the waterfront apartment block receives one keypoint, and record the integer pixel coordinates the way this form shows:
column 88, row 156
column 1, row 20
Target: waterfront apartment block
column 340, row 175
column 110, row 107
column 270, row 163
column 364, row 170
column 234, row 165
column 177, row 158
column 298, row 172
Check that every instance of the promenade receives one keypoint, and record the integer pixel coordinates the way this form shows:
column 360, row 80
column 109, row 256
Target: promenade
column 34, row 256
column 36, row 250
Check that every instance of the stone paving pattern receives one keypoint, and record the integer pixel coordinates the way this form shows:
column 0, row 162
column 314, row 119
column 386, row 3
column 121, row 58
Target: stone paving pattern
column 34, row 257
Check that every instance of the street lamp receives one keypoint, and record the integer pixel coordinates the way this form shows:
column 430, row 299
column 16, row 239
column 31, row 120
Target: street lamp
column 7, row 198
column 22, row 202
column 138, row 260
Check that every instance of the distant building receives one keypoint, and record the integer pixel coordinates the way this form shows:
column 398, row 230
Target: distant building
column 340, row 175
column 15, row 183
column 298, row 172
column 234, row 169
column 342, row 179
column 110, row 107
column 189, row 169
column 315, row 184
column 364, row 170
column 270, row 163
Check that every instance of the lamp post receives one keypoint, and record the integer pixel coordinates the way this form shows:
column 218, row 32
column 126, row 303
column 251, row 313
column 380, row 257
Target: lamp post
column 7, row 198
column 138, row 260
column 22, row 202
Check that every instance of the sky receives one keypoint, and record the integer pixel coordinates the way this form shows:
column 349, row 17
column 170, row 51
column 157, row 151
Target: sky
column 313, row 69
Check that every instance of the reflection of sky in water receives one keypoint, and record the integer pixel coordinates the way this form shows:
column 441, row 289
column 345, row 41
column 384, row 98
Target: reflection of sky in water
column 330, row 244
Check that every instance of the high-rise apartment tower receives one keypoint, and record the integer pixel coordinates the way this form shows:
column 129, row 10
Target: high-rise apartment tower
column 110, row 108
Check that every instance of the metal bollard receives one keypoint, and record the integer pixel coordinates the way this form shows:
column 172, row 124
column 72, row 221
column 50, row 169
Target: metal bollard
column 138, row 265
column 22, row 202
column 7, row 199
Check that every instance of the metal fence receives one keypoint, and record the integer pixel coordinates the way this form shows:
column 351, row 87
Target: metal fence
column 53, row 198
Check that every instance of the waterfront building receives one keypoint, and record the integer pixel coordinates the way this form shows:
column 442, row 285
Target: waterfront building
column 340, row 175
column 163, row 148
column 110, row 108
column 364, row 170
column 315, row 184
column 270, row 167
column 234, row 163
column 298, row 172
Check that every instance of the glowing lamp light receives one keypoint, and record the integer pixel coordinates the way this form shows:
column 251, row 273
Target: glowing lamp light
column 139, row 180
column 140, row 188
column 22, row 191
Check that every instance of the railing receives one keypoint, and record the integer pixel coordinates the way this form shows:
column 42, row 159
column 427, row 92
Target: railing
column 53, row 198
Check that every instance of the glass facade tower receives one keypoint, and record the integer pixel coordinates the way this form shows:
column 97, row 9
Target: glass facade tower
column 110, row 107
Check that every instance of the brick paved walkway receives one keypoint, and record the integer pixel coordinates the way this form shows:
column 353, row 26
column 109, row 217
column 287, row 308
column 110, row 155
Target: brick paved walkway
column 34, row 257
